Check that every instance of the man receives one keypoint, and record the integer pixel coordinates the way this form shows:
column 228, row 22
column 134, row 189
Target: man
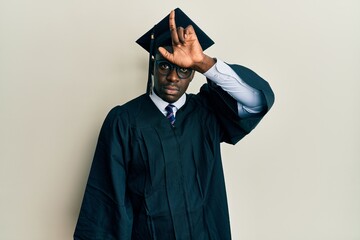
column 157, row 171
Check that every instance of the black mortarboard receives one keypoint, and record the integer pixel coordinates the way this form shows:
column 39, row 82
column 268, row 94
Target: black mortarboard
column 159, row 35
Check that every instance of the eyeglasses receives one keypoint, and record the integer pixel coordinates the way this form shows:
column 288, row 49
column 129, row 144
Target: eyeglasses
column 164, row 68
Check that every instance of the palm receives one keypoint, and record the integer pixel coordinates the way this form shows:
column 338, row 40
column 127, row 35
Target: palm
column 187, row 50
column 187, row 54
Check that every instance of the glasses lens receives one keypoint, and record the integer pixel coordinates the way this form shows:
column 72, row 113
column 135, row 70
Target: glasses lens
column 183, row 72
column 165, row 67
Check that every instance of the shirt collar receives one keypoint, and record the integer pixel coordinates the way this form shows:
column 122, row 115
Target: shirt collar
column 161, row 104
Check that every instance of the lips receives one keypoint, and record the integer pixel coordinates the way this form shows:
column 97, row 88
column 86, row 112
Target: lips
column 171, row 89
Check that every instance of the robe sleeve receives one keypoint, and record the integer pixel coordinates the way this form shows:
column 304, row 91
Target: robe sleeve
column 106, row 212
column 226, row 109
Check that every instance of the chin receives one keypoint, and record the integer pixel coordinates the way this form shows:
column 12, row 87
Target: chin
column 170, row 99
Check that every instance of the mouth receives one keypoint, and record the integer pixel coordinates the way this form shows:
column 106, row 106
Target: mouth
column 171, row 90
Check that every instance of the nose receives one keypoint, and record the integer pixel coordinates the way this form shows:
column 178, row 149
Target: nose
column 172, row 76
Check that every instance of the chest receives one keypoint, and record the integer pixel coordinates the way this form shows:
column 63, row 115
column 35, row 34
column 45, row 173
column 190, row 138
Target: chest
column 186, row 152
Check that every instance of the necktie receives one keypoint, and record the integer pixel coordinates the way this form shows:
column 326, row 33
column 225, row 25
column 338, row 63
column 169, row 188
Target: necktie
column 170, row 114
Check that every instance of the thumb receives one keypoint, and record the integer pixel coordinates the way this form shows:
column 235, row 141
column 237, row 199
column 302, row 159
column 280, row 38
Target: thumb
column 166, row 54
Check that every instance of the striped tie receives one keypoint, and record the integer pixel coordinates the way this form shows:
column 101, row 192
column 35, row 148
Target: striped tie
column 170, row 114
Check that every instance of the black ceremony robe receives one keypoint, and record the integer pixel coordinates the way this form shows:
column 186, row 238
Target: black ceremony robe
column 150, row 180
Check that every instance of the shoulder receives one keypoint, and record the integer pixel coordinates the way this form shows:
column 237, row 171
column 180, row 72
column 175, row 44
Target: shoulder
column 256, row 81
column 250, row 77
column 127, row 110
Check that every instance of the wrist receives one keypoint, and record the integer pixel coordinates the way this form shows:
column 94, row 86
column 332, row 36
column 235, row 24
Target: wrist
column 205, row 64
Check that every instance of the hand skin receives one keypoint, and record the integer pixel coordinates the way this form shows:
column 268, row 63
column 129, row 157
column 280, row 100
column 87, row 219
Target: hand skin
column 187, row 51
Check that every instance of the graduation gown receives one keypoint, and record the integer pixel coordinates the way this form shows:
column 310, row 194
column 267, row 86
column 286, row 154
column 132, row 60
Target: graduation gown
column 152, row 181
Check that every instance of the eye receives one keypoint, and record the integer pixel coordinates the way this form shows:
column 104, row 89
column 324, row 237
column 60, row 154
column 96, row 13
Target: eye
column 184, row 70
column 164, row 66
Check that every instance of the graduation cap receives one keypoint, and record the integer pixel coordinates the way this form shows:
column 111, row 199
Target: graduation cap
column 160, row 35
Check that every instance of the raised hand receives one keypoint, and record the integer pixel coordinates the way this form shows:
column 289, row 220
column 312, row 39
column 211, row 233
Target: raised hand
column 187, row 51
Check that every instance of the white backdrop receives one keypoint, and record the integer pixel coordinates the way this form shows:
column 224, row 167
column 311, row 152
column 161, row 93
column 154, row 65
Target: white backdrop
column 65, row 64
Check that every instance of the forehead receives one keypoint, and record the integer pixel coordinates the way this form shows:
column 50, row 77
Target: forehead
column 158, row 56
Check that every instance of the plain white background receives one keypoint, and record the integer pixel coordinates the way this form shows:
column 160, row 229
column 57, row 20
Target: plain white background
column 65, row 64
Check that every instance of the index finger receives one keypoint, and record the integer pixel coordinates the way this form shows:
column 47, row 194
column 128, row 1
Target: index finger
column 173, row 31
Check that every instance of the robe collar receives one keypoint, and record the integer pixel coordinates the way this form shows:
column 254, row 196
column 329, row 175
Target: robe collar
column 161, row 104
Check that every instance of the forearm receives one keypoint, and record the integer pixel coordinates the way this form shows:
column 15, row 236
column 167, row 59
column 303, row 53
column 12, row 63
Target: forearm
column 249, row 99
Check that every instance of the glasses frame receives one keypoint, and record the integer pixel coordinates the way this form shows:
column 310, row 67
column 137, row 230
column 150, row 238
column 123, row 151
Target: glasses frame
column 172, row 66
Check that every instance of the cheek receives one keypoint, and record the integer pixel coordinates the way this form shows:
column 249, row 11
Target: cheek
column 185, row 85
column 156, row 79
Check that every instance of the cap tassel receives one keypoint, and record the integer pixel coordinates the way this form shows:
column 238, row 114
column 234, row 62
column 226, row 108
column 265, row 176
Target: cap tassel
column 149, row 82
